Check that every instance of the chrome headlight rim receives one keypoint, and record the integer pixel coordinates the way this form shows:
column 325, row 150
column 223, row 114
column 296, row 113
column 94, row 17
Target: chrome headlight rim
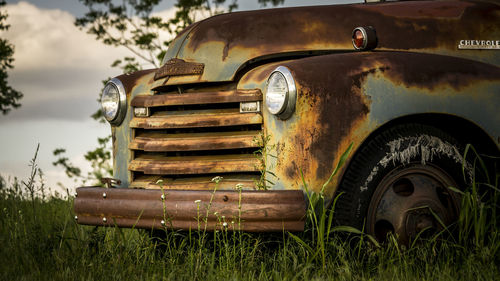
column 288, row 106
column 122, row 102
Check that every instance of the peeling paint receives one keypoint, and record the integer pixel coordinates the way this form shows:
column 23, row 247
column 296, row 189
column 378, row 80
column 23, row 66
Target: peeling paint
column 226, row 42
column 423, row 148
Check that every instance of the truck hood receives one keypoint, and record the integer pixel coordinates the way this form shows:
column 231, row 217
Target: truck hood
column 225, row 44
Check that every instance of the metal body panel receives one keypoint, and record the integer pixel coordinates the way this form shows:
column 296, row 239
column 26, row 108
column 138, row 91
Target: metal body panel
column 194, row 141
column 190, row 120
column 343, row 98
column 226, row 43
column 135, row 84
column 185, row 209
column 196, row 98
column 197, row 183
column 195, row 164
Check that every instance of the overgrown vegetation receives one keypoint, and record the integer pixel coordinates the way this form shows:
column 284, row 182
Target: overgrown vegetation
column 265, row 152
column 41, row 241
column 99, row 159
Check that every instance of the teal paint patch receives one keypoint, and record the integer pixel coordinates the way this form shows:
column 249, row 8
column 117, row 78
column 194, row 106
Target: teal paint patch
column 122, row 155
column 211, row 56
column 478, row 103
column 123, row 136
column 176, row 44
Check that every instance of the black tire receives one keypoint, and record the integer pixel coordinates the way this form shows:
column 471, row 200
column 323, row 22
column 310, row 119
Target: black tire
column 402, row 164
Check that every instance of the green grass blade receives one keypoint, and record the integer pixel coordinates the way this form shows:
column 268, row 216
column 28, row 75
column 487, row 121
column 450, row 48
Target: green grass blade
column 340, row 163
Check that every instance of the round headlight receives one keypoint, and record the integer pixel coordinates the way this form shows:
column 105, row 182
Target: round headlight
column 113, row 102
column 281, row 93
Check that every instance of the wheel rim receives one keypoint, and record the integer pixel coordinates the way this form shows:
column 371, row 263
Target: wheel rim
column 410, row 200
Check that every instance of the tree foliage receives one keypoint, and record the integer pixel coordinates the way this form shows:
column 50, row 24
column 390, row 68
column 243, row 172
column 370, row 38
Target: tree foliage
column 99, row 160
column 128, row 24
column 132, row 24
column 9, row 97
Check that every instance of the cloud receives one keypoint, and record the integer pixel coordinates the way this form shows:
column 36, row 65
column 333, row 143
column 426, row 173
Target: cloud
column 47, row 39
column 57, row 65
column 19, row 141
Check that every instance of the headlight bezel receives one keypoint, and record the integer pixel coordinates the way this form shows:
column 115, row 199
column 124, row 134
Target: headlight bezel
column 122, row 102
column 288, row 106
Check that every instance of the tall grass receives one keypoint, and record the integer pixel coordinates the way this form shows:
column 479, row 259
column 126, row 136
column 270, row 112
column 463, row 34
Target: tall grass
column 39, row 240
column 478, row 221
column 320, row 220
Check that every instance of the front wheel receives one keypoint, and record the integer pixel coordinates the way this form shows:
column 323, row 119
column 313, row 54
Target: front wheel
column 398, row 183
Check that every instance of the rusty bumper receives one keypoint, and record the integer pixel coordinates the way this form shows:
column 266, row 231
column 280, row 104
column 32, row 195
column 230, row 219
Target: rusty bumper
column 254, row 211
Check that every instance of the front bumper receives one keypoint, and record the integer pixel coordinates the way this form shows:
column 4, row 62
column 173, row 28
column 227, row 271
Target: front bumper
column 254, row 211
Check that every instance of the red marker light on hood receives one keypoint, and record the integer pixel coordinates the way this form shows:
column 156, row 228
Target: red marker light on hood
column 358, row 40
column 364, row 38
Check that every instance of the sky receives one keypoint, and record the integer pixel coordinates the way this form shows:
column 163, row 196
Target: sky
column 59, row 69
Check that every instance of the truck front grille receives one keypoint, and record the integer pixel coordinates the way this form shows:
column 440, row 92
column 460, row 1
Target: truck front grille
column 191, row 137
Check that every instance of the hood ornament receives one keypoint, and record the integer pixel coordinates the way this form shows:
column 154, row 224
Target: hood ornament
column 177, row 67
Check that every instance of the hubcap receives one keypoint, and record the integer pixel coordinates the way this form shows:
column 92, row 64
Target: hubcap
column 410, row 200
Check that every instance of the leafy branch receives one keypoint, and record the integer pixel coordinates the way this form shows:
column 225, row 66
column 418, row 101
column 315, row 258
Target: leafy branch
column 9, row 97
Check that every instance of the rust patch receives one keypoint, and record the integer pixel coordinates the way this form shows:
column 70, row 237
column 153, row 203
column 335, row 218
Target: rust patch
column 264, row 30
column 432, row 71
column 179, row 209
column 129, row 80
column 225, row 52
column 425, row 26
column 337, row 100
column 188, row 28
column 258, row 75
column 195, row 141
column 176, row 67
column 198, row 98
column 334, row 108
column 229, row 182
column 158, row 165
column 398, row 25
column 196, row 120
column 114, row 144
column 429, row 26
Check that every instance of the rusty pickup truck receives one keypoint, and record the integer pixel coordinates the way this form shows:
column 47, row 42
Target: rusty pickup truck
column 248, row 106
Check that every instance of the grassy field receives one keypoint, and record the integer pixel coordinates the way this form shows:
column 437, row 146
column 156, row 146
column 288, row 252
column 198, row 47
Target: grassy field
column 40, row 241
